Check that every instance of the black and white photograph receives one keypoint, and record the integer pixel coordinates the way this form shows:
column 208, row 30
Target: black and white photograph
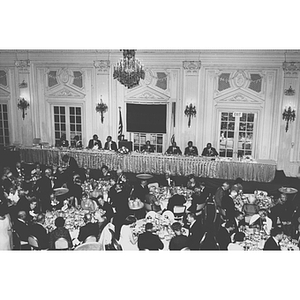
column 169, row 152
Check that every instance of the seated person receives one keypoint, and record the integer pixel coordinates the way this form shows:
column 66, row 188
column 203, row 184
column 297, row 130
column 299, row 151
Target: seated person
column 95, row 143
column 59, row 232
column 147, row 148
column 89, row 229
column 238, row 186
column 174, row 149
column 238, row 239
column 105, row 208
column 110, row 144
column 179, row 241
column 261, row 220
column 191, row 183
column 21, row 227
column 148, row 240
column 175, row 200
column 38, row 230
column 105, row 174
column 273, row 242
column 63, row 142
column 141, row 190
column 199, row 199
column 76, row 143
column 153, row 202
column 167, row 180
column 191, row 150
column 209, row 151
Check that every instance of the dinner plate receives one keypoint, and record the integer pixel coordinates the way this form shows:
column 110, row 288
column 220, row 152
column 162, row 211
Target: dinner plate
column 60, row 191
column 288, row 190
column 144, row 176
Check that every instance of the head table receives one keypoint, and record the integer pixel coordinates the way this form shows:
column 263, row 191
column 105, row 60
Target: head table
column 155, row 163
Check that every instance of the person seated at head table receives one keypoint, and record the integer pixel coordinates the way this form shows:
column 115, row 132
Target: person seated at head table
column 89, row 229
column 179, row 241
column 261, row 220
column 209, row 151
column 273, row 242
column 59, row 232
column 76, row 143
column 147, row 148
column 148, row 240
column 174, row 149
column 95, row 143
column 191, row 150
column 63, row 142
column 236, row 244
column 167, row 180
column 110, row 144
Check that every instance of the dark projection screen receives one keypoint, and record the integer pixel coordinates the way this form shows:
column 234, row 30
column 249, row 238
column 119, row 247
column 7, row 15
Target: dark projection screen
column 146, row 118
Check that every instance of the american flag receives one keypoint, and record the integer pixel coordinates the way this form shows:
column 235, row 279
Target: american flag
column 120, row 130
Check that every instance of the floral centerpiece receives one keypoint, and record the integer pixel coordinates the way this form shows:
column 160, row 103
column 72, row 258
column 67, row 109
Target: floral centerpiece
column 101, row 108
column 123, row 150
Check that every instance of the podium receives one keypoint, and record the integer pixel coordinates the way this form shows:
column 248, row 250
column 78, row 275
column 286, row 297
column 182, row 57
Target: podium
column 126, row 144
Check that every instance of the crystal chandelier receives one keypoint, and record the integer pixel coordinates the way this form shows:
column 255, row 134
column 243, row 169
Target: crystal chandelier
column 129, row 70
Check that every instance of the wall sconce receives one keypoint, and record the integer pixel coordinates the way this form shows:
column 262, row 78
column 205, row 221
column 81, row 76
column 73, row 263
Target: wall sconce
column 289, row 91
column 190, row 111
column 23, row 104
column 101, row 108
column 288, row 115
column 23, row 85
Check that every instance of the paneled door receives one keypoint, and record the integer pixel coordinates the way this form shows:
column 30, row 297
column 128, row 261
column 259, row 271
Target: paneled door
column 237, row 134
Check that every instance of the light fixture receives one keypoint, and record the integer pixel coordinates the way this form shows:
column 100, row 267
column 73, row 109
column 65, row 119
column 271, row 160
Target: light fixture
column 289, row 91
column 101, row 108
column 23, row 104
column 23, row 84
column 288, row 115
column 128, row 71
column 190, row 111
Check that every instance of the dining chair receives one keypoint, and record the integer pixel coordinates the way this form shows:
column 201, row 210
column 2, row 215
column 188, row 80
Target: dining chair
column 33, row 243
column 61, row 244
column 90, row 239
column 89, row 246
column 179, row 212
column 153, row 184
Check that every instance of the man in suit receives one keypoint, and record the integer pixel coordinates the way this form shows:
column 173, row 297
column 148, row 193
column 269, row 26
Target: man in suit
column 199, row 198
column 141, row 190
column 44, row 188
column 228, row 205
column 191, row 150
column 175, row 200
column 179, row 241
column 38, row 230
column 148, row 240
column 21, row 228
column 174, row 149
column 148, row 148
column 224, row 234
column 88, row 229
column 95, row 143
column 272, row 243
column 196, row 231
column 167, row 180
column 110, row 144
column 209, row 151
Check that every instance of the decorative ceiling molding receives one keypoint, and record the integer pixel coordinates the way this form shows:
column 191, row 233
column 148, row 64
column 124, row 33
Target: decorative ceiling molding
column 192, row 67
column 102, row 66
column 66, row 92
column 240, row 98
column 291, row 68
column 147, row 93
column 3, row 92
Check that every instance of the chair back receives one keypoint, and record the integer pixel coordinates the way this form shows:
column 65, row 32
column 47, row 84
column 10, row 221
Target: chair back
column 61, row 244
column 90, row 239
column 153, row 184
column 89, row 246
column 179, row 210
column 33, row 242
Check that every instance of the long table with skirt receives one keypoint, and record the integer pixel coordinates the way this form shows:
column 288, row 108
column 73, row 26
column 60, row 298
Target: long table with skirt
column 155, row 163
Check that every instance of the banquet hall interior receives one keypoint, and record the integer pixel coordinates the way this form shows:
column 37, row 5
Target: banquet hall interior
column 149, row 149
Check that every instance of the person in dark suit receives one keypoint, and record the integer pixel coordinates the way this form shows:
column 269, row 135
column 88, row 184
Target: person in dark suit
column 179, row 241
column 141, row 190
column 209, row 151
column 196, row 231
column 106, row 208
column 148, row 240
column 223, row 235
column 71, row 168
column 175, row 200
column 148, row 148
column 167, row 180
column 21, row 227
column 228, row 205
column 44, row 188
column 75, row 190
column 63, row 142
column 38, row 230
column 174, row 149
column 272, row 243
column 95, row 143
column 110, row 144
column 191, row 150
column 18, row 171
column 199, row 198
column 76, row 143
column 88, row 229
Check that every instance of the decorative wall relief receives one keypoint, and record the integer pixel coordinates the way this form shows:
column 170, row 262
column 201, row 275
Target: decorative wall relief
column 192, row 67
column 102, row 66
